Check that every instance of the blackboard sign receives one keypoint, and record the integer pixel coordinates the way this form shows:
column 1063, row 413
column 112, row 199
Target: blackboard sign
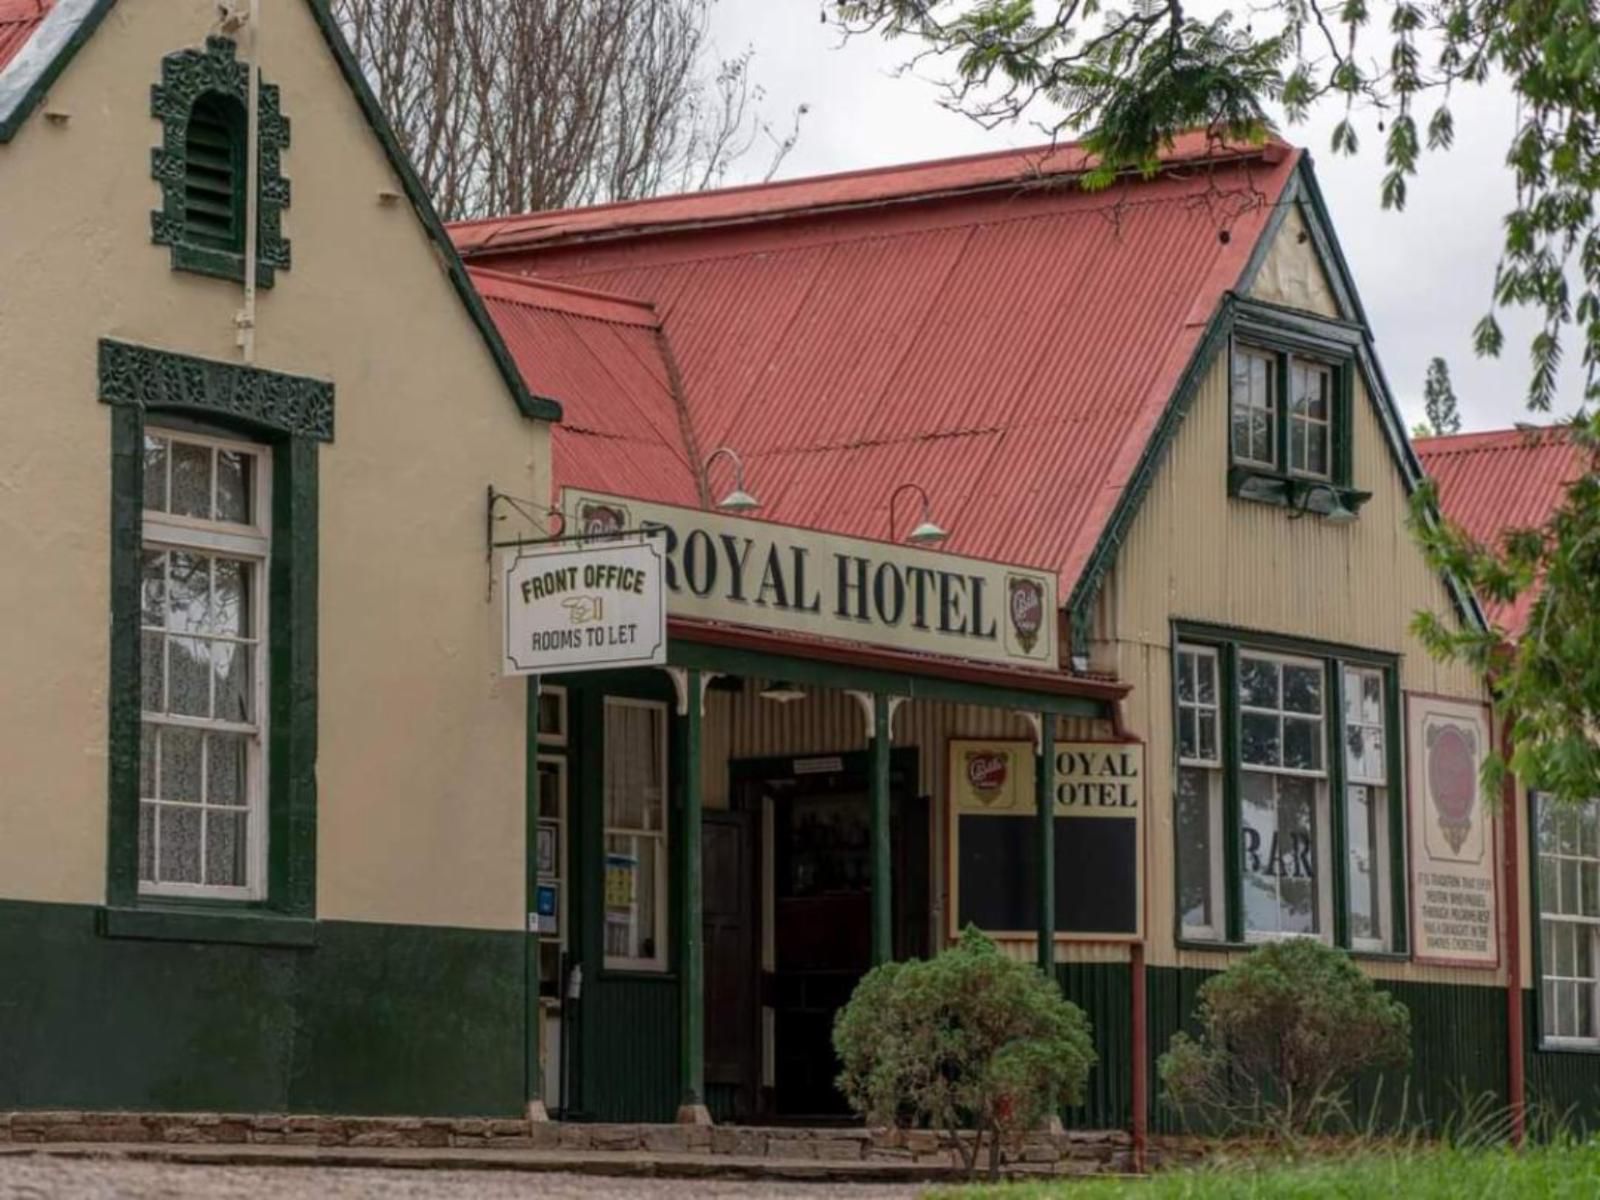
column 994, row 831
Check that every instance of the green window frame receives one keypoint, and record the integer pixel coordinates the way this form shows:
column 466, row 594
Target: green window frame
column 1348, row 853
column 290, row 415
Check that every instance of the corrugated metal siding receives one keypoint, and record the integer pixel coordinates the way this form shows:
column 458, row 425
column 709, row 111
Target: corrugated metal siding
column 630, row 1055
column 1105, row 993
column 1194, row 554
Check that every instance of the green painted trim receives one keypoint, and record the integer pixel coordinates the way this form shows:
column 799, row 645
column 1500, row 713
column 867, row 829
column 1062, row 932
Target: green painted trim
column 159, row 383
column 535, row 407
column 532, row 1015
column 145, row 378
column 1339, row 799
column 186, row 75
column 1232, row 806
column 1535, row 1034
column 85, row 16
column 882, row 857
column 1044, row 789
column 725, row 660
column 1314, row 496
column 691, row 959
column 205, row 924
column 1399, row 806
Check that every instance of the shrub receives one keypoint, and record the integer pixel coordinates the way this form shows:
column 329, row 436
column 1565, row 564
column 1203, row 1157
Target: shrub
column 1283, row 1033
column 966, row 1039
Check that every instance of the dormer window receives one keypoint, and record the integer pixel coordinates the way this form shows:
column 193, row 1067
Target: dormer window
column 202, row 165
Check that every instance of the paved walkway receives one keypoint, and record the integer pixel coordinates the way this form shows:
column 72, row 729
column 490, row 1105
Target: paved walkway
column 53, row 1176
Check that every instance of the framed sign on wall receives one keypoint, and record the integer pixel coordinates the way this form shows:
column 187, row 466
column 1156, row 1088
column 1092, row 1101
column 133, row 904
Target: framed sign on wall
column 1454, row 896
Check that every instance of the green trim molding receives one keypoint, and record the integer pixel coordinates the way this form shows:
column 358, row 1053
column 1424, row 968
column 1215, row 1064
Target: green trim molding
column 186, row 75
column 144, row 378
column 292, row 414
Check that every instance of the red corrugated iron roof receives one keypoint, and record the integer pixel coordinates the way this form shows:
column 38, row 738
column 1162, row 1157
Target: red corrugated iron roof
column 603, row 356
column 1008, row 343
column 1493, row 482
column 18, row 20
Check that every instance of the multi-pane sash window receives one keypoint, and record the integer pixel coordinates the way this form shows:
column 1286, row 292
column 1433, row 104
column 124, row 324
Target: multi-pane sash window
column 1283, row 793
column 1255, row 408
column 1310, row 418
column 635, row 835
column 202, row 785
column 1366, row 772
column 1569, row 907
column 1199, row 800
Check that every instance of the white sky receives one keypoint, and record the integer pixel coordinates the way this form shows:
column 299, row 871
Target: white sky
column 1424, row 275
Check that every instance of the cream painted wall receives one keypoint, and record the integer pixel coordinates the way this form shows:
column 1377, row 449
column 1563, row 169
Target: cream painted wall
column 1290, row 273
column 1195, row 554
column 421, row 742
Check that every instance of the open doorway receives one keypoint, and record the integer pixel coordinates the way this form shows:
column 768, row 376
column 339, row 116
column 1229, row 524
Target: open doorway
column 814, row 893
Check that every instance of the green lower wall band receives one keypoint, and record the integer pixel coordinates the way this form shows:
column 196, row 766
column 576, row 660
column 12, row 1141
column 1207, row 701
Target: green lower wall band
column 414, row 1020
column 376, row 1019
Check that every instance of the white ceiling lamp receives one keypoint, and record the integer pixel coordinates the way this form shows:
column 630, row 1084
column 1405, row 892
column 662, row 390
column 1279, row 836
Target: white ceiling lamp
column 738, row 500
column 926, row 533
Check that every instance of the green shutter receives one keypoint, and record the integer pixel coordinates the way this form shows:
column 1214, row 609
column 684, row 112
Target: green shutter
column 214, row 174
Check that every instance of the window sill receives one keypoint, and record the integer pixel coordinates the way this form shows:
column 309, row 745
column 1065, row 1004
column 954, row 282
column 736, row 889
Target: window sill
column 1552, row 1046
column 1219, row 947
column 1301, row 495
column 219, row 264
column 183, row 923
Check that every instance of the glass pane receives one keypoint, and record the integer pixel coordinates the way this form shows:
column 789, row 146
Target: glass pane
column 1206, row 679
column 180, row 844
column 1549, row 991
column 1570, row 903
column 550, row 708
column 1194, row 847
column 1564, row 953
column 549, row 792
column 1590, row 879
column 147, row 843
column 180, row 765
column 1567, row 1013
column 227, row 761
column 153, row 589
column 630, row 896
column 1549, row 886
column 1372, row 698
column 1258, row 682
column 230, row 598
column 1567, row 830
column 1316, row 458
column 634, row 737
column 1208, row 736
column 1585, row 1002
column 1263, row 437
column 225, row 847
column 1302, row 744
column 1302, row 689
column 1258, row 740
column 155, row 474
column 1363, row 825
column 235, row 693
column 188, row 677
column 147, row 761
column 1186, row 678
column 1547, row 947
column 1363, row 747
column 1188, row 737
column 1297, row 859
column 189, row 595
column 1241, row 424
column 191, row 480
column 1589, row 831
column 1548, row 821
column 235, row 477
column 152, row 672
column 1582, row 952
column 1259, row 860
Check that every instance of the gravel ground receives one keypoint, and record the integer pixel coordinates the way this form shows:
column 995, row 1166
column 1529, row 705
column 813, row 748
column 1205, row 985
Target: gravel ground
column 45, row 1178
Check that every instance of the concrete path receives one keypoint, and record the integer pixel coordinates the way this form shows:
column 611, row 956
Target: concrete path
column 309, row 1173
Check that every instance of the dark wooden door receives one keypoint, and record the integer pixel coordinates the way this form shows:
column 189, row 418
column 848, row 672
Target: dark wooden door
column 732, row 1009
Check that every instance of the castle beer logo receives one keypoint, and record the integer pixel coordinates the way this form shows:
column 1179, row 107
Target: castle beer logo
column 600, row 520
column 1026, row 605
column 986, row 772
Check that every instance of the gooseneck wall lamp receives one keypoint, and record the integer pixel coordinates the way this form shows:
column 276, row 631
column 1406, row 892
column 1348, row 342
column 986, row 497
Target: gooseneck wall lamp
column 738, row 500
column 926, row 532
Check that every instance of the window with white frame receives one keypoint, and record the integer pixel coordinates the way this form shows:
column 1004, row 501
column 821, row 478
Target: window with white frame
column 1310, row 418
column 202, row 780
column 1283, row 794
column 635, row 835
column 1366, row 810
column 1199, row 793
column 1569, row 922
column 1255, row 408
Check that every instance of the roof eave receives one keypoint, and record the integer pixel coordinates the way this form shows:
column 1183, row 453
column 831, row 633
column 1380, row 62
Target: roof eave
column 26, row 79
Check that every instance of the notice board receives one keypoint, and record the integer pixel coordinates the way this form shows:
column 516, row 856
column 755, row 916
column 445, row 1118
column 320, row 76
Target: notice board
column 1098, row 827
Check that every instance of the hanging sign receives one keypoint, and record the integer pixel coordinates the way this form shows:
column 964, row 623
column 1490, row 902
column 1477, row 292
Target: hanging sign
column 584, row 607
column 1098, row 802
column 780, row 577
column 1453, row 892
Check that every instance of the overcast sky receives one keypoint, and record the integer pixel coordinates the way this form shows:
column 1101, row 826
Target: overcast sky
column 1424, row 275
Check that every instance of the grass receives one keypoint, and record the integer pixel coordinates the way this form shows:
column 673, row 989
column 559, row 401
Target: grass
column 1565, row 1172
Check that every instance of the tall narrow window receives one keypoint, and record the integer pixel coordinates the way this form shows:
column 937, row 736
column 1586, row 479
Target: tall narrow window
column 1366, row 769
column 202, row 788
column 1310, row 418
column 1255, row 408
column 1283, row 793
column 635, row 835
column 214, row 174
column 1569, row 908
column 1199, row 798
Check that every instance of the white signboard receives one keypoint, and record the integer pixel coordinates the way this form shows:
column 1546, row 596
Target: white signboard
column 780, row 577
column 584, row 607
column 1452, row 833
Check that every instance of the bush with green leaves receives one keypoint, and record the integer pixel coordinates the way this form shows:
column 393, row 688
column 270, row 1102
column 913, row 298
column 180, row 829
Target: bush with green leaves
column 967, row 1040
column 1283, row 1034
